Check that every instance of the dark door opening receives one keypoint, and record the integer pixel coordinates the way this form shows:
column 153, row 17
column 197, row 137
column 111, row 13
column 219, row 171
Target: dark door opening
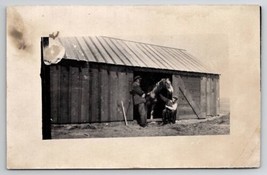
column 149, row 79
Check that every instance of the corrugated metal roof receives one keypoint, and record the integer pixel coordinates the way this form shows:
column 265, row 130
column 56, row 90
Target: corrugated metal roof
column 129, row 53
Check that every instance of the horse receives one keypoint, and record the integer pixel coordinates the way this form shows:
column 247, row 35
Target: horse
column 153, row 102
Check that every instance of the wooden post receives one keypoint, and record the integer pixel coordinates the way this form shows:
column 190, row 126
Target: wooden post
column 124, row 115
column 46, row 112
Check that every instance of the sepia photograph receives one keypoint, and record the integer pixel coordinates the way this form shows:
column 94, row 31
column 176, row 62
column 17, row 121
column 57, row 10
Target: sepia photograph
column 98, row 86
column 133, row 86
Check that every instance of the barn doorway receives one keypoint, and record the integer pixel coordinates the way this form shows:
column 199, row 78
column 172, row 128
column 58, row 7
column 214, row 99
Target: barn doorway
column 149, row 79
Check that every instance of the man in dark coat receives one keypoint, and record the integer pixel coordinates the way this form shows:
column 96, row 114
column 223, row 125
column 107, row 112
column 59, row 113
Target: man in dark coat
column 139, row 100
column 169, row 113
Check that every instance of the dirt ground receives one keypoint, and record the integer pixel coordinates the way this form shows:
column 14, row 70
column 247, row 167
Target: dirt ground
column 219, row 125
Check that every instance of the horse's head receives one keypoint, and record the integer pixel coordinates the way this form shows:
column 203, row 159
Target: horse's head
column 168, row 85
column 164, row 83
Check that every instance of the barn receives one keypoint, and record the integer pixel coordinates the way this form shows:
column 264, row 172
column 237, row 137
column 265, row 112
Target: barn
column 95, row 75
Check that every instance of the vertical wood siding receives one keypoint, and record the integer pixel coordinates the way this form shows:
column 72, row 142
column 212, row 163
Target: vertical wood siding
column 125, row 79
column 217, row 96
column 213, row 100
column 104, row 94
column 64, row 96
column 213, row 95
column 85, row 93
column 129, row 102
column 54, row 89
column 74, row 94
column 192, row 85
column 113, row 93
column 94, row 103
column 82, row 93
column 208, row 95
column 205, row 93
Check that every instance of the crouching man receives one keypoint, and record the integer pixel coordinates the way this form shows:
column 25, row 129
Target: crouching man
column 169, row 113
column 139, row 101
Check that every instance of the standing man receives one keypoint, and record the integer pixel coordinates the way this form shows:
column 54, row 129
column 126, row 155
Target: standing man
column 139, row 101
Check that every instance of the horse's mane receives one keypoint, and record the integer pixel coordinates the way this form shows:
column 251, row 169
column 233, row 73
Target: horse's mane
column 158, row 87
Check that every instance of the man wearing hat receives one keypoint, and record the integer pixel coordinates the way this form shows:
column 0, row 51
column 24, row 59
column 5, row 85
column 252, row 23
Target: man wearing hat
column 169, row 113
column 139, row 100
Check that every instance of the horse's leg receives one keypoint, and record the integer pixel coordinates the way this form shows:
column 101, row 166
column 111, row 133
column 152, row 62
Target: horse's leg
column 152, row 111
column 148, row 107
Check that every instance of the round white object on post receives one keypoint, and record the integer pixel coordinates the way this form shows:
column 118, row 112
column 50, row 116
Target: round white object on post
column 54, row 52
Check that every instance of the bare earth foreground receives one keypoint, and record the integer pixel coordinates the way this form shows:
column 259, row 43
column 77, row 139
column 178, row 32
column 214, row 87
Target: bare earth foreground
column 219, row 125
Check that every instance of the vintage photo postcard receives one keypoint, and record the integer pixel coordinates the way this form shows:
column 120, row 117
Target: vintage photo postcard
column 97, row 87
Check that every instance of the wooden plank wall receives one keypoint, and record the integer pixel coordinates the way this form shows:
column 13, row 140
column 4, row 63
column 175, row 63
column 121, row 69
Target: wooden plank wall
column 191, row 93
column 217, row 112
column 85, row 93
column 64, row 96
column 205, row 93
column 203, row 96
column 69, row 95
column 125, row 79
column 82, row 93
column 104, row 94
column 94, row 90
column 74, row 94
column 192, row 85
column 210, row 95
column 185, row 110
column 54, row 89
column 114, row 94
